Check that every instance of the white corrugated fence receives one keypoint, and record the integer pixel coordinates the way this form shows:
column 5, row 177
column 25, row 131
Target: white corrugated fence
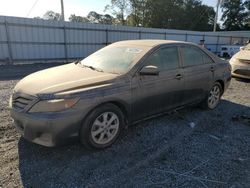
column 25, row 40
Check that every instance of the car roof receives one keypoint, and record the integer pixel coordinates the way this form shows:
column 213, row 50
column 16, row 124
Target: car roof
column 148, row 43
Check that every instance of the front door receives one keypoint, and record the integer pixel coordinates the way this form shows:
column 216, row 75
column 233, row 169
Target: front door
column 152, row 94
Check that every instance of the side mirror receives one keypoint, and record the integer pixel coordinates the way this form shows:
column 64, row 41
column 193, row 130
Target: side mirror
column 242, row 48
column 149, row 70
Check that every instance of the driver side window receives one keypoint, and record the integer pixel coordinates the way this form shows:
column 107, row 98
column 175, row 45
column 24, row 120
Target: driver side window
column 154, row 59
column 164, row 59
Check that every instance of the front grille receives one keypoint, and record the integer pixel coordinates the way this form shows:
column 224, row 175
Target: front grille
column 22, row 102
column 242, row 72
column 245, row 61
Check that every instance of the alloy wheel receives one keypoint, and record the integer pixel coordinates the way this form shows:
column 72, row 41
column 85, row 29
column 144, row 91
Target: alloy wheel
column 105, row 128
column 214, row 96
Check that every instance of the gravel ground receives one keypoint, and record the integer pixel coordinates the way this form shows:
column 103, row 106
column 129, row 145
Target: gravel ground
column 189, row 148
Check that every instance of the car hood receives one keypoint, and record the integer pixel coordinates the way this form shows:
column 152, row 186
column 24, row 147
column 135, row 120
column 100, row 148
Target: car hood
column 243, row 54
column 62, row 78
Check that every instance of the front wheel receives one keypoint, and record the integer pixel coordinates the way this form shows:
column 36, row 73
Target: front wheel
column 102, row 127
column 213, row 97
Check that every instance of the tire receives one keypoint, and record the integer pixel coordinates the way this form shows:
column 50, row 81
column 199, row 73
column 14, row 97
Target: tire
column 102, row 127
column 213, row 97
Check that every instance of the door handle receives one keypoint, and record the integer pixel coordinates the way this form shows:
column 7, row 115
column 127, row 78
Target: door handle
column 212, row 69
column 178, row 76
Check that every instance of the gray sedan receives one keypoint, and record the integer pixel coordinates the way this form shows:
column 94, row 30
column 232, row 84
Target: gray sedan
column 94, row 99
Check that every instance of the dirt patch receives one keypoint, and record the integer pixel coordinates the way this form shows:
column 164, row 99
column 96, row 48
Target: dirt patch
column 162, row 152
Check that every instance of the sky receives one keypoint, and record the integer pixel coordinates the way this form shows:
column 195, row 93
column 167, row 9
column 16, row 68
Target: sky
column 34, row 8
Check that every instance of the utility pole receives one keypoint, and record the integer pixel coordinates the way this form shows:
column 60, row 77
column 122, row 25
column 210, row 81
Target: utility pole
column 216, row 14
column 62, row 11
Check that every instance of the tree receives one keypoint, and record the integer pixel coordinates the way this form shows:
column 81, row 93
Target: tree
column 95, row 17
column 197, row 16
column 38, row 17
column 138, row 12
column 164, row 14
column 74, row 18
column 120, row 9
column 234, row 15
column 172, row 14
column 247, row 5
column 50, row 15
column 106, row 19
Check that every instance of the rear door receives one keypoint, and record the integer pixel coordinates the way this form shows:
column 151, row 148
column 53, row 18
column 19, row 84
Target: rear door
column 198, row 72
column 153, row 94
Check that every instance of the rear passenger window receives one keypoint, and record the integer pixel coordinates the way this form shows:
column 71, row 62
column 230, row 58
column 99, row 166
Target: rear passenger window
column 165, row 58
column 192, row 56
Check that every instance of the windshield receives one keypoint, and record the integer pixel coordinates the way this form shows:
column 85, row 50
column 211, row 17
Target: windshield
column 113, row 59
column 247, row 47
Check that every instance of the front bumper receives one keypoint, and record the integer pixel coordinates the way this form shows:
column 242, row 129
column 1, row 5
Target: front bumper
column 241, row 70
column 48, row 129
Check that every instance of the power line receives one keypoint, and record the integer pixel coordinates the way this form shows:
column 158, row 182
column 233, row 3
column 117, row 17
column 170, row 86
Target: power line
column 33, row 6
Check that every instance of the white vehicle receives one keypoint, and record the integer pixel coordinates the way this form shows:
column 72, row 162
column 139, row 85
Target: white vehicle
column 229, row 50
column 240, row 63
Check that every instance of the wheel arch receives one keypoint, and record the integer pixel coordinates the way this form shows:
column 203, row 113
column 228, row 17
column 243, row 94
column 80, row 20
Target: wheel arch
column 221, row 82
column 121, row 105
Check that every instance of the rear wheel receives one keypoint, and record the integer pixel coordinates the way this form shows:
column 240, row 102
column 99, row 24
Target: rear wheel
column 213, row 97
column 102, row 127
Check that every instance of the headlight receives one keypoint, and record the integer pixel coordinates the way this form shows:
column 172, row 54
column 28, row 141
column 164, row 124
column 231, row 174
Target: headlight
column 233, row 60
column 55, row 105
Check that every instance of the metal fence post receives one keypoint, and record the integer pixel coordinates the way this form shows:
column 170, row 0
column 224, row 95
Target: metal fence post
column 186, row 37
column 65, row 43
column 139, row 34
column 242, row 41
column 217, row 44
column 10, row 58
column 107, row 37
column 231, row 40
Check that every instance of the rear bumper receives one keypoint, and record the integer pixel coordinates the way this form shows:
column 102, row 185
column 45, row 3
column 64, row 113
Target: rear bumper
column 48, row 129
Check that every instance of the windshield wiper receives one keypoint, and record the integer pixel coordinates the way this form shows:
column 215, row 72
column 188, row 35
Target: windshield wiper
column 78, row 61
column 93, row 68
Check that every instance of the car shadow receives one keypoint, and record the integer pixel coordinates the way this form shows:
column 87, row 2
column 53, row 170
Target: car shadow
column 74, row 166
column 242, row 80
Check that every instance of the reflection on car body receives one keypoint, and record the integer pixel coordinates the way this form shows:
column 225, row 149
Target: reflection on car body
column 122, row 83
